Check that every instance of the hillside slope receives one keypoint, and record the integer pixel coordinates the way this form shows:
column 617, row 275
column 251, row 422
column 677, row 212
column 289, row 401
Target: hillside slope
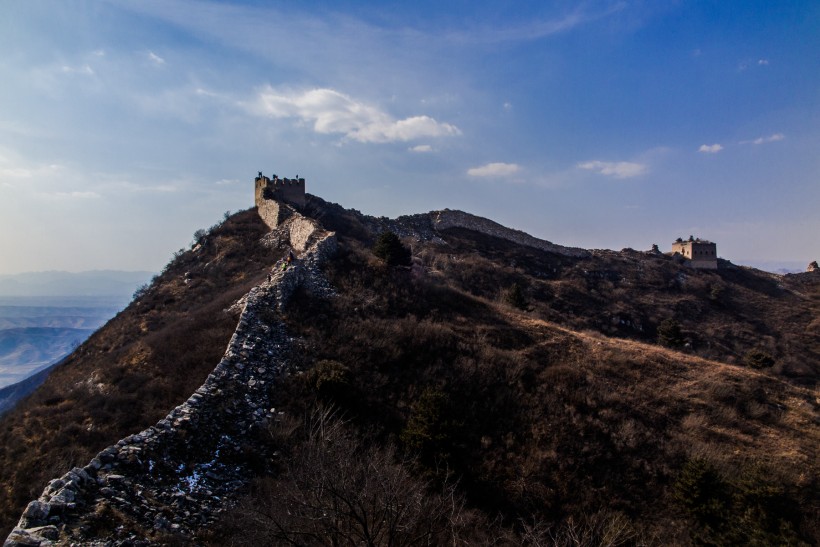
column 564, row 406
column 529, row 374
column 132, row 371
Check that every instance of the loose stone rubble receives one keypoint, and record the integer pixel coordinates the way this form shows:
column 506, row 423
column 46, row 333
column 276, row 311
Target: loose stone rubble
column 175, row 477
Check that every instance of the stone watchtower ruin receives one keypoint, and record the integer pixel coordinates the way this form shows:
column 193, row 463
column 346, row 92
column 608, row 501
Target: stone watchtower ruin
column 288, row 190
column 271, row 193
column 700, row 253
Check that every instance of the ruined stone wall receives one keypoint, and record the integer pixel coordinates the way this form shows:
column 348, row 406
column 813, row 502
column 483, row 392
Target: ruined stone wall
column 289, row 190
column 271, row 212
column 286, row 190
column 176, row 476
column 426, row 227
column 459, row 219
column 259, row 185
column 701, row 254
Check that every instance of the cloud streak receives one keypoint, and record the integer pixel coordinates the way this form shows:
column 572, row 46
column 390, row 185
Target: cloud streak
column 538, row 28
column 496, row 169
column 765, row 140
column 710, row 148
column 332, row 112
column 70, row 195
column 156, row 59
column 617, row 169
column 421, row 148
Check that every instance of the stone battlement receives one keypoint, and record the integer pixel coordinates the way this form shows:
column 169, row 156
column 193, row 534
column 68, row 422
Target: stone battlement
column 700, row 253
column 287, row 190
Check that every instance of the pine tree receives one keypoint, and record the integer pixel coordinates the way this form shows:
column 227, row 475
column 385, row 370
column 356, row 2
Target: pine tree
column 389, row 248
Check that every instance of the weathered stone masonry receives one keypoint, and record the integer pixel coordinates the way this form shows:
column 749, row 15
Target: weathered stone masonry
column 176, row 476
column 427, row 226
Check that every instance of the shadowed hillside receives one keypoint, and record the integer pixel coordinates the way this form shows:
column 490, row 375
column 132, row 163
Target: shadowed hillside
column 145, row 361
column 521, row 395
column 537, row 381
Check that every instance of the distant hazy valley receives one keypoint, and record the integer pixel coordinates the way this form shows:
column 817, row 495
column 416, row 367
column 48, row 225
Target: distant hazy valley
column 45, row 315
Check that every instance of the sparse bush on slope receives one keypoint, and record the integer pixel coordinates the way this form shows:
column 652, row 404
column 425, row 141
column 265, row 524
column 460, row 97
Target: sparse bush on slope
column 389, row 248
column 747, row 509
column 670, row 334
column 757, row 358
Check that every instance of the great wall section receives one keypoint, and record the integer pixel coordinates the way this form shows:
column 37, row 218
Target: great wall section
column 427, row 226
column 152, row 477
column 175, row 477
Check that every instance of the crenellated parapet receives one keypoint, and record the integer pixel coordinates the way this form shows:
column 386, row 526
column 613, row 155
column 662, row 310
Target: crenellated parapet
column 699, row 253
column 280, row 189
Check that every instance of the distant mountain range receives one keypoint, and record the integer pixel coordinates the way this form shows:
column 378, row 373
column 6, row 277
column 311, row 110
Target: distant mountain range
column 24, row 351
column 45, row 315
column 96, row 283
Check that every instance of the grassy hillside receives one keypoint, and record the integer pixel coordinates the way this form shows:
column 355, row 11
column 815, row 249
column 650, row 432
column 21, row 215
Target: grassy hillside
column 556, row 410
column 131, row 372
column 517, row 396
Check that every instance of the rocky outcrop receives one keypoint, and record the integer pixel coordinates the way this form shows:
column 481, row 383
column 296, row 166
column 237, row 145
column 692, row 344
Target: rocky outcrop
column 173, row 478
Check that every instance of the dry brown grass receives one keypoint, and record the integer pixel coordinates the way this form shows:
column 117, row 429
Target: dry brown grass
column 676, row 380
column 558, row 415
column 546, row 416
column 130, row 373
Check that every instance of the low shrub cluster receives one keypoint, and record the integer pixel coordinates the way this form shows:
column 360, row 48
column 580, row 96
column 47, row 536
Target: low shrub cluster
column 750, row 508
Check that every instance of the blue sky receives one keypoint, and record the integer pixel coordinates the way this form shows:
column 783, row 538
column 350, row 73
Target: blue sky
column 127, row 125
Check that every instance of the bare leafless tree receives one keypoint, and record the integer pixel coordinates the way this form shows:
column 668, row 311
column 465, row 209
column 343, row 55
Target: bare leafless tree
column 338, row 490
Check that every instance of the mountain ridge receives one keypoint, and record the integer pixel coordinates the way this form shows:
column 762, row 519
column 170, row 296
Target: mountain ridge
column 428, row 272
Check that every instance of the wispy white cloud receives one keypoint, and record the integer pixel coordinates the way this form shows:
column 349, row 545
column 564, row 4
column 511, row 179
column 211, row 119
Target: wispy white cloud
column 333, row 112
column 750, row 63
column 84, row 70
column 19, row 169
column 764, row 140
column 70, row 195
column 507, row 106
column 421, row 148
column 540, row 27
column 156, row 59
column 772, row 138
column 226, row 182
column 617, row 169
column 496, row 169
column 710, row 148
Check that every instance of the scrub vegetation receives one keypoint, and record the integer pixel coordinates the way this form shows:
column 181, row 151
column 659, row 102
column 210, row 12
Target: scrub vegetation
column 472, row 392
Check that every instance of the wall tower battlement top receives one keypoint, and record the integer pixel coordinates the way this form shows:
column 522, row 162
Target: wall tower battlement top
column 700, row 252
column 280, row 189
